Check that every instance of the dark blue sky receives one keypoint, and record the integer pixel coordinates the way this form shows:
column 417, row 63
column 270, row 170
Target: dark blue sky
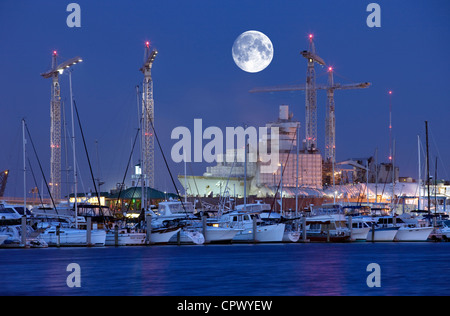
column 195, row 76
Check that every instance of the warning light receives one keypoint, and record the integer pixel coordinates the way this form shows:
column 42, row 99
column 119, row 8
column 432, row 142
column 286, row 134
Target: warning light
column 54, row 52
column 330, row 68
column 310, row 36
column 390, row 92
column 147, row 44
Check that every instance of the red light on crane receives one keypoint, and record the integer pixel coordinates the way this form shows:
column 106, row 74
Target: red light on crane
column 390, row 92
column 147, row 44
column 310, row 36
column 330, row 69
column 54, row 53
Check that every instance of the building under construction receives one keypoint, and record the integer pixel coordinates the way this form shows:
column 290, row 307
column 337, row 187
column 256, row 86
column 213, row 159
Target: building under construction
column 296, row 168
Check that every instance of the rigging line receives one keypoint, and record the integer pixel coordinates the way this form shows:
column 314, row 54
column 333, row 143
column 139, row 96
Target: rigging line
column 126, row 169
column 196, row 187
column 282, row 173
column 40, row 166
column 35, row 182
column 438, row 153
column 89, row 160
column 167, row 166
column 165, row 161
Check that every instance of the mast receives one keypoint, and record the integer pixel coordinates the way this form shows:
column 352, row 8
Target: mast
column 420, row 180
column 75, row 171
column 393, row 177
column 296, row 181
column 24, row 170
column 428, row 168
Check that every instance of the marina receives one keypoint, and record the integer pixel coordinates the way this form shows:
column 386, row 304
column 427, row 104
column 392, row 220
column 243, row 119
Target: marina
column 178, row 223
column 165, row 148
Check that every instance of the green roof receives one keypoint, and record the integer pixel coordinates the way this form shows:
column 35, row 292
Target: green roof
column 136, row 193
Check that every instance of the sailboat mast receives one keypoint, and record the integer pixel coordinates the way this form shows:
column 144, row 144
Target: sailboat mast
column 75, row 172
column 24, row 169
column 428, row 168
column 420, row 180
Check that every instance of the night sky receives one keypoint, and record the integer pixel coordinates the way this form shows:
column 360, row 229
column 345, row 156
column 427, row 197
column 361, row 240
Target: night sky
column 195, row 76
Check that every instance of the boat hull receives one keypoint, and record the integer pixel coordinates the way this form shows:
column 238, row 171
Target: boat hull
column 264, row 233
column 188, row 237
column 383, row 234
column 220, row 235
column 360, row 234
column 72, row 237
column 323, row 237
column 413, row 234
column 162, row 236
column 125, row 239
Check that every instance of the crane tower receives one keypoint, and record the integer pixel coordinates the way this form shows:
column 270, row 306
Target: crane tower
column 311, row 105
column 311, row 96
column 55, row 122
column 148, row 135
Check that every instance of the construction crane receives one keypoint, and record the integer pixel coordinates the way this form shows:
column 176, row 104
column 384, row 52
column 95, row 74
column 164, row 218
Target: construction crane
column 55, row 125
column 311, row 108
column 311, row 96
column 148, row 112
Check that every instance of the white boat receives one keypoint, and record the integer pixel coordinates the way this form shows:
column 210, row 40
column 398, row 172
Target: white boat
column 172, row 213
column 188, row 236
column 72, row 236
column 377, row 233
column 9, row 213
column 409, row 228
column 243, row 221
column 445, row 230
column 161, row 236
column 217, row 232
column 13, row 239
column 291, row 234
column 327, row 224
column 124, row 238
column 360, row 229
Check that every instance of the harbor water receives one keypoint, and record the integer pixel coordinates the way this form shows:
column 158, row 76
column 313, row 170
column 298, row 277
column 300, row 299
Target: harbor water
column 230, row 270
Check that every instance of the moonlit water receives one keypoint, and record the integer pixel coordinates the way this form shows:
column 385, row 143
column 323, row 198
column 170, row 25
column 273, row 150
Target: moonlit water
column 213, row 270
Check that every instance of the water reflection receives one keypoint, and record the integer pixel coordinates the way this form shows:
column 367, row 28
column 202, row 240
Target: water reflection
column 277, row 269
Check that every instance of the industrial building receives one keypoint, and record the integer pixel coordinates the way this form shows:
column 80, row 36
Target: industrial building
column 229, row 177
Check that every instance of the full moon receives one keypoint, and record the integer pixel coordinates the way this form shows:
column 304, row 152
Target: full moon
column 252, row 51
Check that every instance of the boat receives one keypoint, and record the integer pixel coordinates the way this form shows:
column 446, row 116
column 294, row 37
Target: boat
column 66, row 236
column 409, row 228
column 13, row 238
column 360, row 229
column 125, row 237
column 245, row 221
column 9, row 214
column 327, row 224
column 172, row 214
column 3, row 237
column 291, row 232
column 162, row 235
